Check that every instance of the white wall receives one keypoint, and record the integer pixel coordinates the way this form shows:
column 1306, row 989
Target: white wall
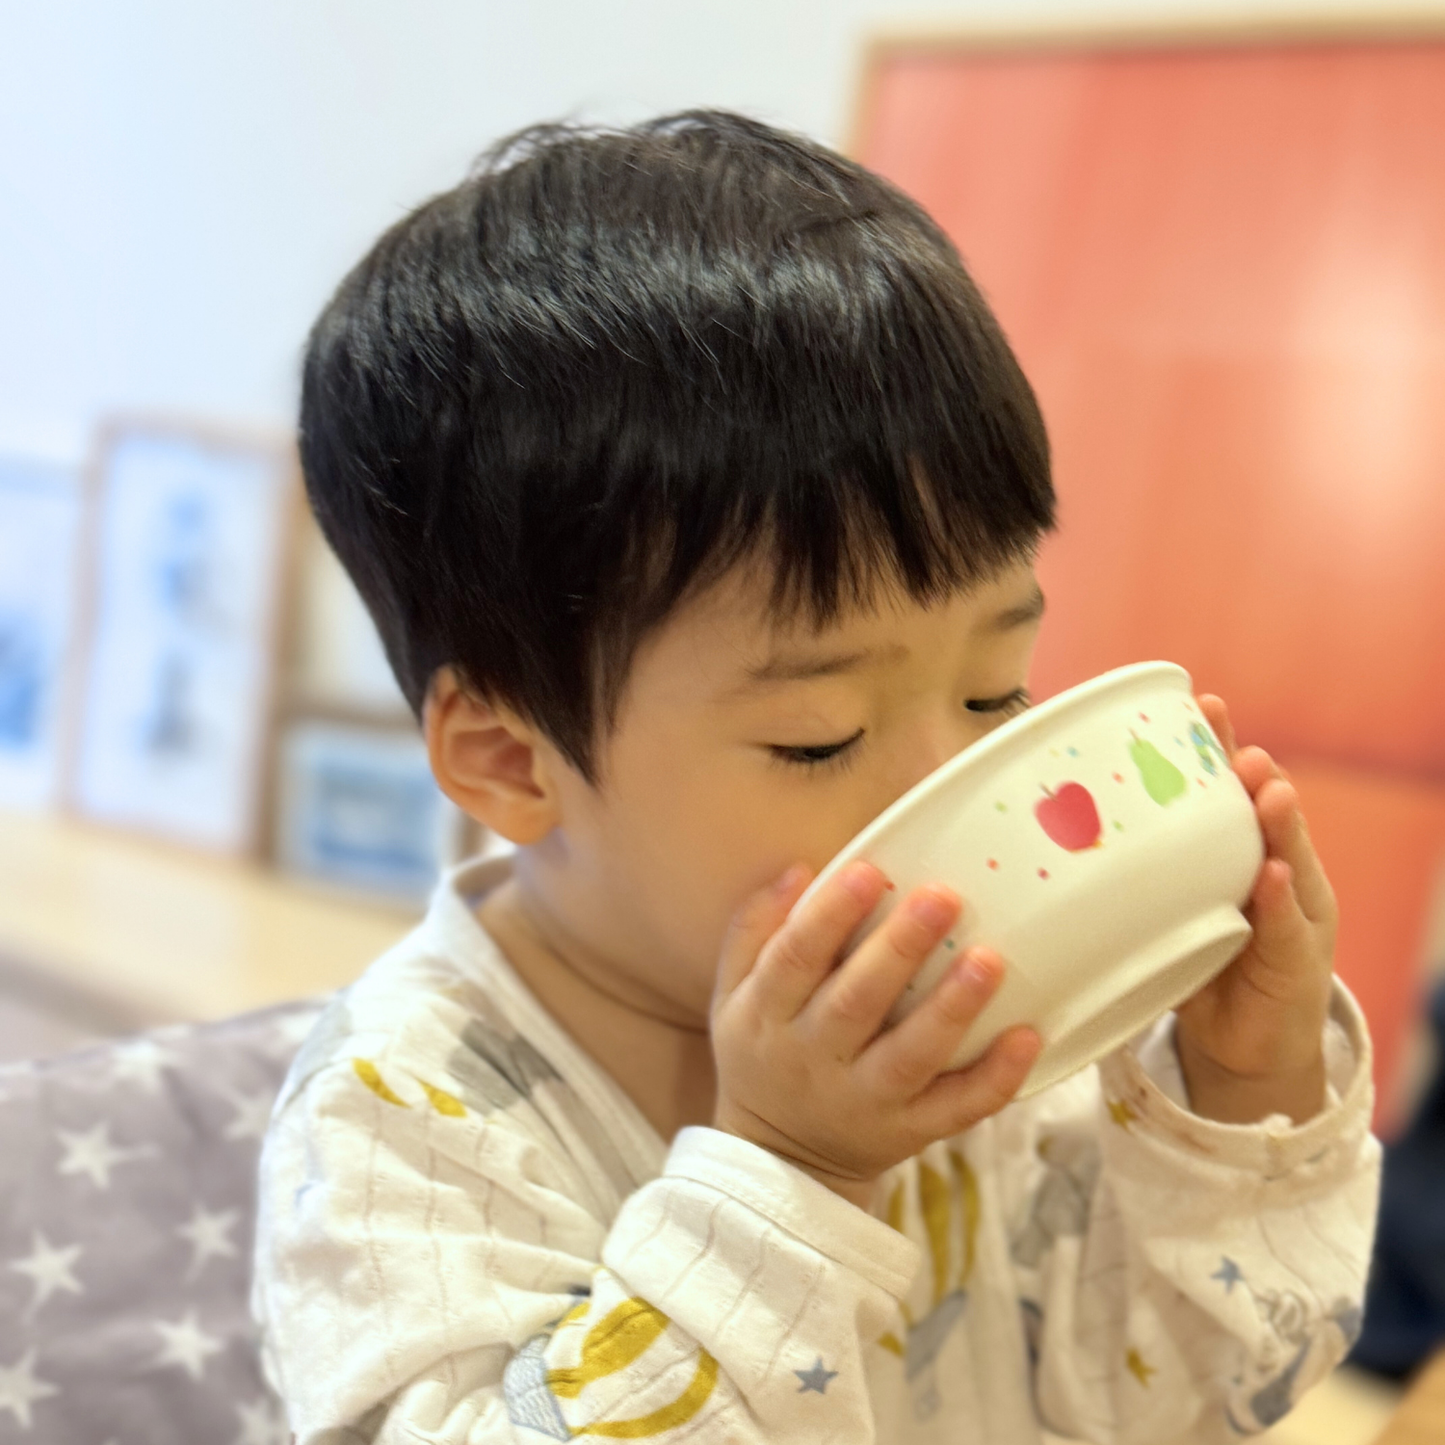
column 181, row 184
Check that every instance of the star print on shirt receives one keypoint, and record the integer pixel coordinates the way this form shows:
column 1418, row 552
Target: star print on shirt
column 49, row 1270
column 816, row 1378
column 1137, row 1366
column 1122, row 1113
column 1228, row 1272
column 186, row 1345
column 208, row 1237
column 19, row 1389
column 93, row 1154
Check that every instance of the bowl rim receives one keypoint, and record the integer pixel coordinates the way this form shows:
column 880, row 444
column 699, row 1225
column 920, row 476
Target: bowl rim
column 987, row 750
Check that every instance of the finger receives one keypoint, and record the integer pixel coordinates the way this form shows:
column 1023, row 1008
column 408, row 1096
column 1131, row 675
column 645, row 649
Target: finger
column 1282, row 934
column 804, row 950
column 851, row 1006
column 753, row 924
column 906, row 1059
column 960, row 1098
column 1255, row 768
column 1287, row 837
column 1216, row 713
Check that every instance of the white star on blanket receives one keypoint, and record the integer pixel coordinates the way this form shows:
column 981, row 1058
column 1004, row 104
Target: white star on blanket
column 262, row 1423
column 19, row 1389
column 128, row 1173
column 91, row 1153
column 253, row 1114
column 208, row 1236
column 186, row 1345
column 141, row 1061
column 49, row 1269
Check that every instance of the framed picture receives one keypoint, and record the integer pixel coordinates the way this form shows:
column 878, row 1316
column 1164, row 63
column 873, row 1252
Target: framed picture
column 188, row 561
column 357, row 808
column 40, row 519
column 338, row 665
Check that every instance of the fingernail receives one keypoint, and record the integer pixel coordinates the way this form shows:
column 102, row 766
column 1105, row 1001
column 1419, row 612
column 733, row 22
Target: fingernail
column 1026, row 1044
column 978, row 970
column 789, row 880
column 861, row 880
column 931, row 911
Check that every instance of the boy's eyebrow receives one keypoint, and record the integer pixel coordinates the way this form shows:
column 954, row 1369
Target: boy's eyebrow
column 802, row 669
column 1029, row 611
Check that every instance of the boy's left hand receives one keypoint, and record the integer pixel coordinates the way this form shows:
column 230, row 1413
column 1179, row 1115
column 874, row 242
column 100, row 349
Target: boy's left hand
column 1251, row 1042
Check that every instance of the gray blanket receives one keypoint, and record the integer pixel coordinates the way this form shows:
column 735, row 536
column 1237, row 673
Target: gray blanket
column 127, row 1203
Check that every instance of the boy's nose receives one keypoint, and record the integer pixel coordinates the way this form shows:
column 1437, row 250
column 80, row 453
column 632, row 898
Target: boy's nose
column 932, row 748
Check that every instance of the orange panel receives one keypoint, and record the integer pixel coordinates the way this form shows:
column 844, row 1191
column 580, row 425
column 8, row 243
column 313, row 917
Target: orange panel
column 1382, row 844
column 1224, row 270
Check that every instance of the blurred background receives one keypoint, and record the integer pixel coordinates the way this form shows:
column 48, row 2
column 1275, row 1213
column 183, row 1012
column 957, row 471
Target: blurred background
column 1214, row 233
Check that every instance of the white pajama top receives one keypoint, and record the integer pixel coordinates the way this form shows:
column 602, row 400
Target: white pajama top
column 468, row 1233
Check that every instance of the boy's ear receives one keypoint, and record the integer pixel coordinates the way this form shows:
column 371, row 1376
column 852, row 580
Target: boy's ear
column 488, row 761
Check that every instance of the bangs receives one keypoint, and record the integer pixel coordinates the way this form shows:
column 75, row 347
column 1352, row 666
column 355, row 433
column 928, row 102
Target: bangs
column 611, row 366
column 871, row 432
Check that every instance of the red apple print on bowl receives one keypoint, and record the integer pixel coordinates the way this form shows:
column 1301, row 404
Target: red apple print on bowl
column 1070, row 817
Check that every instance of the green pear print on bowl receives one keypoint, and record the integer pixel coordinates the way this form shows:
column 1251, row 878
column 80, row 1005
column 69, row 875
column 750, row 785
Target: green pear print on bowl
column 1162, row 780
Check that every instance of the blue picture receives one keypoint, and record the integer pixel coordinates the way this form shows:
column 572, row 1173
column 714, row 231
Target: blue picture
column 40, row 512
column 359, row 808
column 191, row 537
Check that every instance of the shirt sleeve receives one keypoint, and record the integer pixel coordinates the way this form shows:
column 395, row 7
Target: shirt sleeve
column 1178, row 1276
column 426, row 1274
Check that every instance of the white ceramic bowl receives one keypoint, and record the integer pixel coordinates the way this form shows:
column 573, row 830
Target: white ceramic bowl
column 1101, row 844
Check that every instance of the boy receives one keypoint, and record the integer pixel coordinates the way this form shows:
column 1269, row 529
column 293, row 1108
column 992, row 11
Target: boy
column 695, row 493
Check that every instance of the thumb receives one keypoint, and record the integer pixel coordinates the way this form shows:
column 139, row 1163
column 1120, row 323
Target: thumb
column 756, row 920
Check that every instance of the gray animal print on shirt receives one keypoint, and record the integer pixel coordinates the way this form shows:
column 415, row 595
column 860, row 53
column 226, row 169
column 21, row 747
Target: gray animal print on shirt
column 495, row 1070
column 1062, row 1202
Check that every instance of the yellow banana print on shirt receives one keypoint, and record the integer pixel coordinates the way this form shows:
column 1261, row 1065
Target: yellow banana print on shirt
column 933, row 1204
column 669, row 1417
column 967, row 1184
column 612, row 1344
column 950, row 1212
column 441, row 1101
column 370, row 1075
column 533, row 1392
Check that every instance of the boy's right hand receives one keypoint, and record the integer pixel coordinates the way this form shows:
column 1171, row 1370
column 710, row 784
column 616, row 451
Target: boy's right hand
column 805, row 1066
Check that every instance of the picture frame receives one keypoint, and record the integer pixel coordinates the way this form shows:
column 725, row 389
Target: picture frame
column 41, row 512
column 338, row 664
column 189, row 563
column 357, row 809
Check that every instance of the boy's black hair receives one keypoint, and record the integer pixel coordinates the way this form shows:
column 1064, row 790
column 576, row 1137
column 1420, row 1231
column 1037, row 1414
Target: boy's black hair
column 610, row 365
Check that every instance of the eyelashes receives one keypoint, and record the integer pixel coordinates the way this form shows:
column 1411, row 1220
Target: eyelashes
column 1016, row 702
column 818, row 756
column 812, row 757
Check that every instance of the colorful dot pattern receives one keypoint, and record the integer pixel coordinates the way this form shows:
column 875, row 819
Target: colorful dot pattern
column 1044, row 874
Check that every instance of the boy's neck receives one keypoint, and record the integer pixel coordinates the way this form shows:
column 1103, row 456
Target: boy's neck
column 662, row 1062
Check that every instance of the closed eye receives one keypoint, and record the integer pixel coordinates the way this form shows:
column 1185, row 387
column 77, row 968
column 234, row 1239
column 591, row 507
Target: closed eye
column 1016, row 702
column 813, row 755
